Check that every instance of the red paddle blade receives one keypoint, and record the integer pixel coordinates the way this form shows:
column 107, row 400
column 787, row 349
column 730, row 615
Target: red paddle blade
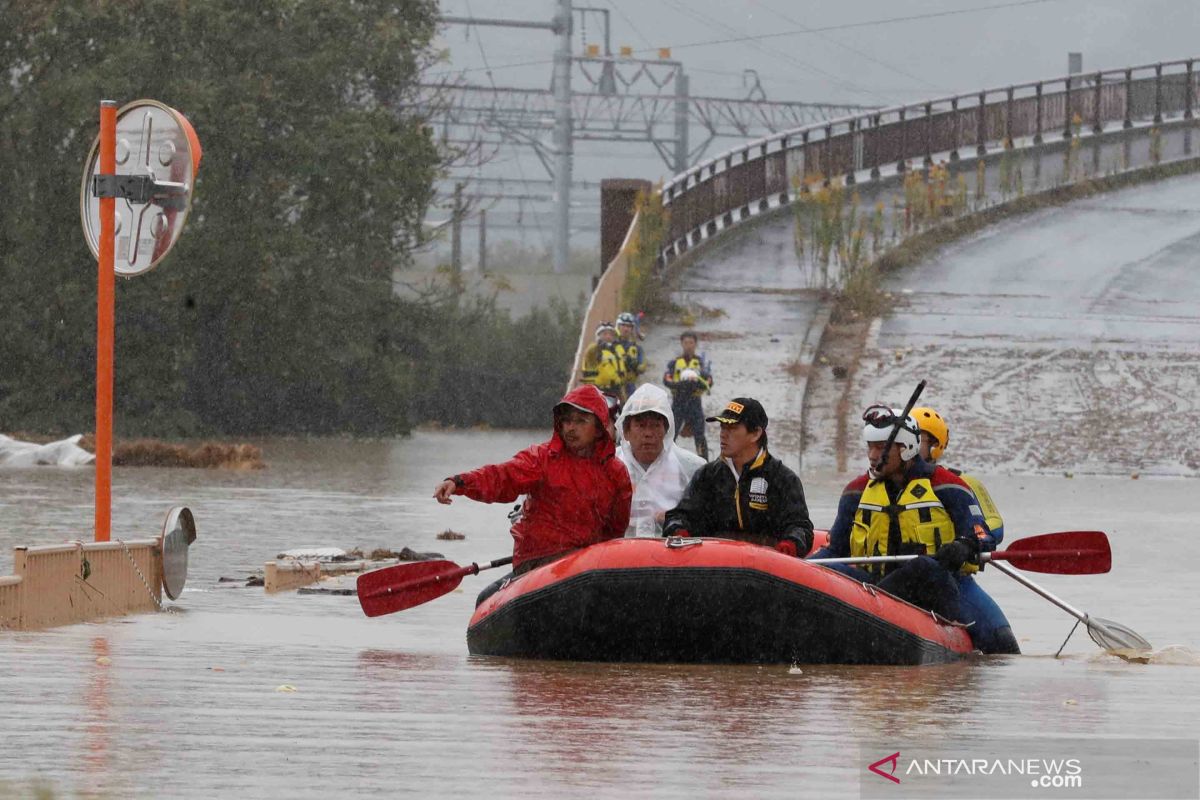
column 1065, row 553
column 386, row 591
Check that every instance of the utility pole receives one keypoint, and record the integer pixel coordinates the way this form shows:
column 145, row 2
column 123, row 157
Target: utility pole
column 456, row 231
column 681, row 122
column 562, row 138
column 482, row 240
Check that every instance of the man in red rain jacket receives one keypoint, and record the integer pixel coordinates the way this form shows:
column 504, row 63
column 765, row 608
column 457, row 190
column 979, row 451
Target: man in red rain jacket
column 578, row 490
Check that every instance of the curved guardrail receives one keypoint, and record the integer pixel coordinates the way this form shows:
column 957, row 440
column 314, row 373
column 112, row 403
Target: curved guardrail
column 748, row 180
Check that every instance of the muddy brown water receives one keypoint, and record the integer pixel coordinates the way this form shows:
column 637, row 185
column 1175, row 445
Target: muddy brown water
column 188, row 704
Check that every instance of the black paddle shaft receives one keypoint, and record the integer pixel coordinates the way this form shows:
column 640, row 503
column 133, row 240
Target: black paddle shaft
column 887, row 447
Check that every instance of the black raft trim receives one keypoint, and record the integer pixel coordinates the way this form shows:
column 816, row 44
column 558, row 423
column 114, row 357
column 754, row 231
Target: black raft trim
column 697, row 615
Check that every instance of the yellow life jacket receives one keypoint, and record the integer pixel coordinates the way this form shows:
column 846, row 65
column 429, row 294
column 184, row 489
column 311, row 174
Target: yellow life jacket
column 629, row 354
column 987, row 506
column 602, row 369
column 680, row 364
column 925, row 525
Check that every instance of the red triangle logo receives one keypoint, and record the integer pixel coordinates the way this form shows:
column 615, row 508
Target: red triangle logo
column 894, row 760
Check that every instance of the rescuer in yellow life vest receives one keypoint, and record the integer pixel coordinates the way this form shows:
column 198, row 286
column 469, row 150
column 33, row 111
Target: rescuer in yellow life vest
column 689, row 377
column 633, row 359
column 601, row 365
column 990, row 631
column 903, row 505
column 935, row 436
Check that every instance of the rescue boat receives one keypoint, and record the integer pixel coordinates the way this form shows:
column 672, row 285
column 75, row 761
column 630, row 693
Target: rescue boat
column 704, row 601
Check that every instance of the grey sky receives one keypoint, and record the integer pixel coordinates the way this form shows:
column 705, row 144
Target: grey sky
column 953, row 53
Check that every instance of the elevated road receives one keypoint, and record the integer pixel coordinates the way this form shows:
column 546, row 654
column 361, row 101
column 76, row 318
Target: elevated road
column 1059, row 342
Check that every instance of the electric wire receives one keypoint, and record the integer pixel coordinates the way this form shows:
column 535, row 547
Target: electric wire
column 805, row 32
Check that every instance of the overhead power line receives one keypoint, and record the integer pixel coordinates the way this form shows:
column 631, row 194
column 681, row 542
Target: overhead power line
column 797, row 32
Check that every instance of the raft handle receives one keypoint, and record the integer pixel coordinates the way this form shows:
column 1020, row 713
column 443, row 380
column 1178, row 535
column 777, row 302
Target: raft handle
column 675, row 542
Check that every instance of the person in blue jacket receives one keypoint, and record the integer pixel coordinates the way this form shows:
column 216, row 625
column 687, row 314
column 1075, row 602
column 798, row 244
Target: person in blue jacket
column 903, row 505
column 990, row 631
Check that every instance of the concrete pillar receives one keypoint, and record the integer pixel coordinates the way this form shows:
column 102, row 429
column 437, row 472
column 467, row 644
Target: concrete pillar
column 617, row 199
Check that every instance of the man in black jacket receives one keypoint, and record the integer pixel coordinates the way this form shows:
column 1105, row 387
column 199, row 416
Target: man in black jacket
column 747, row 493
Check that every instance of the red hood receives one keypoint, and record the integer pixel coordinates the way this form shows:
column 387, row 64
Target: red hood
column 587, row 397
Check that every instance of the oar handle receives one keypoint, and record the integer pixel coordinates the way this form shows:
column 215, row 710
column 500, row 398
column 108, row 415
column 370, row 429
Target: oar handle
column 475, row 569
column 912, row 401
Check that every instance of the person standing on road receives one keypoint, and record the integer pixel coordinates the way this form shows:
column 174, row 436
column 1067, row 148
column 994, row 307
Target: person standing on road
column 689, row 377
column 602, row 365
column 633, row 360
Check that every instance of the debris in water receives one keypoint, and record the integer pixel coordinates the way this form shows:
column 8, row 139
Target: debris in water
column 326, row 590
column 1070, row 702
column 794, row 670
column 157, row 453
column 317, row 554
column 1135, row 476
column 285, row 688
column 407, row 554
column 451, row 536
column 249, row 580
column 103, row 661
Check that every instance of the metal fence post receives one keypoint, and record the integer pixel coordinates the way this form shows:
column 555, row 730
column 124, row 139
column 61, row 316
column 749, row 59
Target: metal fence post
column 850, row 171
column 1037, row 122
column 1128, row 99
column 828, row 157
column 875, row 148
column 1067, row 132
column 807, row 163
column 1158, row 117
column 1097, row 117
column 1189, row 93
column 928, row 135
column 981, row 131
column 957, row 132
column 1008, row 112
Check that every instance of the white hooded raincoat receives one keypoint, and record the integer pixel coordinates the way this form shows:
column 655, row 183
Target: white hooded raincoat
column 657, row 488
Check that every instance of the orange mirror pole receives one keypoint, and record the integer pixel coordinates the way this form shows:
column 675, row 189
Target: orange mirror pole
column 104, row 327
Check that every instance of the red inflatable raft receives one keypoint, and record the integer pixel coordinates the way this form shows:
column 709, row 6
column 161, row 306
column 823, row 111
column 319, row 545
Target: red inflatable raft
column 704, row 600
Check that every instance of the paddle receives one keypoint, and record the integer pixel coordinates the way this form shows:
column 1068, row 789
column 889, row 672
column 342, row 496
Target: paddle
column 912, row 401
column 392, row 589
column 1111, row 636
column 1064, row 553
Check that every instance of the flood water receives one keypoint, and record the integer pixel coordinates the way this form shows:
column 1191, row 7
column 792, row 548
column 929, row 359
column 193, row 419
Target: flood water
column 188, row 704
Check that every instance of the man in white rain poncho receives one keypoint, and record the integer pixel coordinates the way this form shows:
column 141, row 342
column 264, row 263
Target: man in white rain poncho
column 658, row 469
